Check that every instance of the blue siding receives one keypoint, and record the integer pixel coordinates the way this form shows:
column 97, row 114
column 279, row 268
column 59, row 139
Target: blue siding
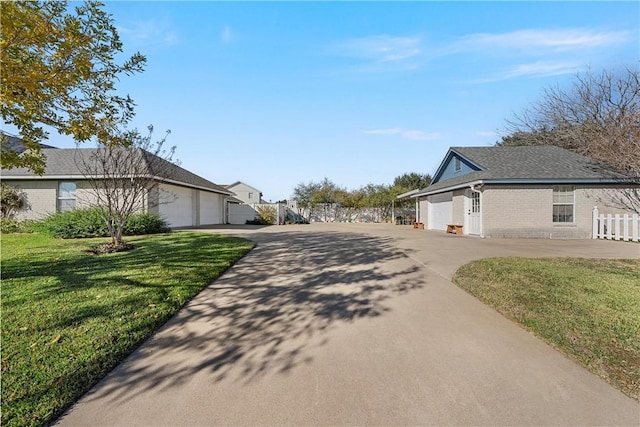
column 449, row 169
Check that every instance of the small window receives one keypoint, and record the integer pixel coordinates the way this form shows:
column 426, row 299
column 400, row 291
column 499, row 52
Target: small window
column 563, row 203
column 66, row 196
column 250, row 195
column 457, row 163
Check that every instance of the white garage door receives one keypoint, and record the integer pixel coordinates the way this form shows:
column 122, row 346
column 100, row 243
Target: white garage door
column 210, row 208
column 440, row 211
column 176, row 205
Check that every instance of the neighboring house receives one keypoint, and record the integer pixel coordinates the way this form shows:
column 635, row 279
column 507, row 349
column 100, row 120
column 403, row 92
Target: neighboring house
column 529, row 191
column 248, row 194
column 13, row 143
column 183, row 198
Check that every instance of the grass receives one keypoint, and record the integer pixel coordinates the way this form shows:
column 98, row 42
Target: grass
column 589, row 309
column 68, row 317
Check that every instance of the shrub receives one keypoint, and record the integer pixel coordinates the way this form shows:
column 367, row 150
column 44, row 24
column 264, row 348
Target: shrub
column 145, row 223
column 9, row 226
column 268, row 214
column 12, row 225
column 82, row 223
column 74, row 224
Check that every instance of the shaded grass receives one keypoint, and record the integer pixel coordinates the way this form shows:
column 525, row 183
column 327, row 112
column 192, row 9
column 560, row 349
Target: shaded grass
column 587, row 308
column 68, row 317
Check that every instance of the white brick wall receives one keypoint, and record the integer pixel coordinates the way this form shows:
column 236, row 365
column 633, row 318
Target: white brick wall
column 513, row 211
column 41, row 195
column 459, row 211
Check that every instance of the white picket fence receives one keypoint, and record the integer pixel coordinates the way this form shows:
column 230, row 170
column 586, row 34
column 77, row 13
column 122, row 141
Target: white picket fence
column 616, row 227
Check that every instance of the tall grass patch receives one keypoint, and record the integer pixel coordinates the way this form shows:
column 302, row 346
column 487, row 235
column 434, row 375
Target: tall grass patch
column 587, row 308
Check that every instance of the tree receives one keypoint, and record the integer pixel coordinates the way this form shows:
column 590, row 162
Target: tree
column 407, row 182
column 598, row 116
column 59, row 69
column 412, row 181
column 380, row 199
column 13, row 200
column 326, row 196
column 303, row 195
column 124, row 180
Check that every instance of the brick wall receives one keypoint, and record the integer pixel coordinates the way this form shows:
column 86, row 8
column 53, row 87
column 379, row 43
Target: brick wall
column 512, row 211
column 41, row 196
column 459, row 210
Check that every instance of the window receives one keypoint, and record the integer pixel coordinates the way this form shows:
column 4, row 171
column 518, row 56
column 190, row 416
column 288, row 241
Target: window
column 563, row 203
column 457, row 163
column 66, row 196
column 250, row 195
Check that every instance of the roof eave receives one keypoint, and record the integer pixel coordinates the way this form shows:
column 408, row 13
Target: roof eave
column 530, row 181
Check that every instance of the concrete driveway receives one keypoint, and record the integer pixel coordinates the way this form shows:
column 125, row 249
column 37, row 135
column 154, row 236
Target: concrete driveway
column 332, row 324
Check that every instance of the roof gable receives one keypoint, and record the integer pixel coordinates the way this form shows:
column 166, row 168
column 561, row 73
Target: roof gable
column 241, row 186
column 523, row 164
column 454, row 165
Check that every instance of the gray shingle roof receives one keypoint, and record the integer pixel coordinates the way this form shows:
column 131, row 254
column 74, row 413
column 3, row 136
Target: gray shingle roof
column 14, row 143
column 526, row 163
column 64, row 162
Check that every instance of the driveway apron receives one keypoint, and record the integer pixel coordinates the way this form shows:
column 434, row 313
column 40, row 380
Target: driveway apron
column 352, row 325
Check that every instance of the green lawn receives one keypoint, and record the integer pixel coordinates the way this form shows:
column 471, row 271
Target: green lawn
column 68, row 317
column 589, row 309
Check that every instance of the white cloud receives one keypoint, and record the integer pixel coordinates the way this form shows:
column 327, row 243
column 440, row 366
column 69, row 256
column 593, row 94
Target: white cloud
column 537, row 52
column 534, row 69
column 414, row 135
column 149, row 33
column 535, row 41
column 382, row 50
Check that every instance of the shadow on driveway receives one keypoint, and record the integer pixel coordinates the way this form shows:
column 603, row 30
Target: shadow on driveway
column 266, row 313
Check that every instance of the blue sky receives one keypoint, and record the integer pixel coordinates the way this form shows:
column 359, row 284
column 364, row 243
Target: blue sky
column 278, row 93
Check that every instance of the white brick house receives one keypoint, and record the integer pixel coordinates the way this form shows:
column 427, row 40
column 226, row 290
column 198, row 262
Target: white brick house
column 532, row 191
column 182, row 198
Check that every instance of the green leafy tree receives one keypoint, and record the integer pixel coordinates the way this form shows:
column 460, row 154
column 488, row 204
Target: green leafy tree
column 59, row 69
column 407, row 182
column 303, row 194
column 411, row 181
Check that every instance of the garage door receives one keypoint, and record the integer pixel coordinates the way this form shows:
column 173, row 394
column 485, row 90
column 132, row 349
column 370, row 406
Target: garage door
column 440, row 211
column 210, row 208
column 178, row 212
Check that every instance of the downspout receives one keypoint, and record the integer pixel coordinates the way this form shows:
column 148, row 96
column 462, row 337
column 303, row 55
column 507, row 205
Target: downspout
column 472, row 186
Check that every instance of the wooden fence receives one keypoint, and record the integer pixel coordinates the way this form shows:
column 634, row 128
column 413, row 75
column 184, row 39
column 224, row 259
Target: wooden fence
column 616, row 227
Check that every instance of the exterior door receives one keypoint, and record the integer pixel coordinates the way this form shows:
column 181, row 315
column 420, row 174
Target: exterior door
column 474, row 213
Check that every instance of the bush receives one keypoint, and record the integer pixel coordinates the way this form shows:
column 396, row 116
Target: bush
column 268, row 214
column 12, row 225
column 82, row 223
column 74, row 224
column 145, row 223
column 9, row 226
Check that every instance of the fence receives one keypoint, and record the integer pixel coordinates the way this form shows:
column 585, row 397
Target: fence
column 616, row 227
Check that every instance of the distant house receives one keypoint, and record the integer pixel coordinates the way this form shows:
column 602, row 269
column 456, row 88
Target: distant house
column 183, row 198
column 531, row 191
column 245, row 192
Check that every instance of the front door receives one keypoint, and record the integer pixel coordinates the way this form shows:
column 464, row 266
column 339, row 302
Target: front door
column 473, row 211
